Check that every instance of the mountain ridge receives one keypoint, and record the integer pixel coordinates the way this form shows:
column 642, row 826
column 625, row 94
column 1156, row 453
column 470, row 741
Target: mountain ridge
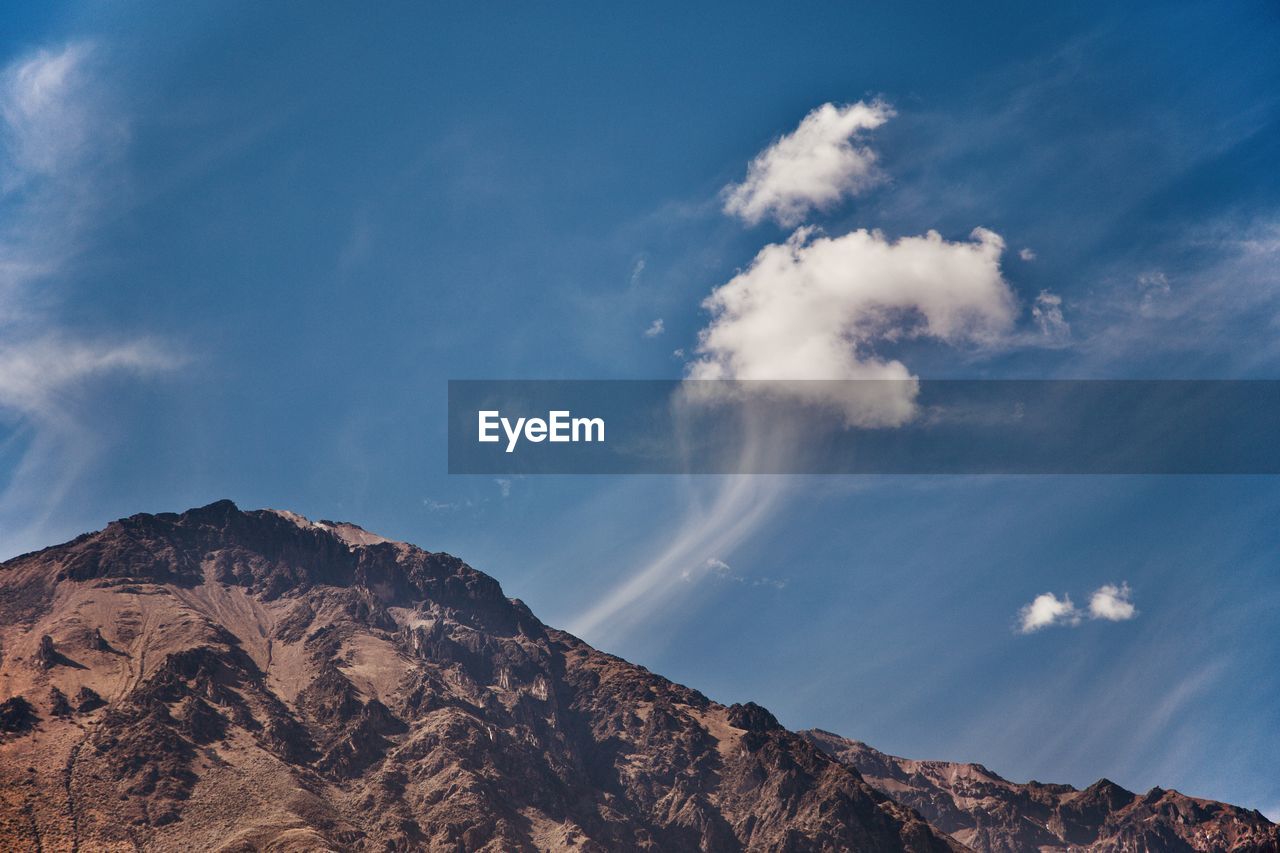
column 252, row 680
column 983, row 810
column 233, row 680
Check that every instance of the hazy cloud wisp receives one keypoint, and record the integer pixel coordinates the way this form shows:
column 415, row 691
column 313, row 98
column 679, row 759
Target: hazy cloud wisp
column 60, row 170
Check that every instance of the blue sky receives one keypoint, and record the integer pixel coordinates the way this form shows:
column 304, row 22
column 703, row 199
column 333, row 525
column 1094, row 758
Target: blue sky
column 243, row 247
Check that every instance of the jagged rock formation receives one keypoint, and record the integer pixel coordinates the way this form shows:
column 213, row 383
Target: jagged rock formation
column 989, row 813
column 253, row 681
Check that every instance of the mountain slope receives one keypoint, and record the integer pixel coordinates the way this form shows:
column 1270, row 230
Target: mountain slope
column 230, row 680
column 989, row 813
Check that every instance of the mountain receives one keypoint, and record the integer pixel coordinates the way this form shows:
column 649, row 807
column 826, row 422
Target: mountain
column 235, row 681
column 988, row 813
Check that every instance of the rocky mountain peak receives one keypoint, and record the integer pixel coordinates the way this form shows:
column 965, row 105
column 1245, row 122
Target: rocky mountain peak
column 240, row 680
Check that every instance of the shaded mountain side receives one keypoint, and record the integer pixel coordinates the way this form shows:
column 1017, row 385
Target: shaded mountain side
column 228, row 680
column 989, row 813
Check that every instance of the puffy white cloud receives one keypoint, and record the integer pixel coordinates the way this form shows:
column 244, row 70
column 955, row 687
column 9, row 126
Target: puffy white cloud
column 656, row 328
column 1027, row 254
column 1047, row 610
column 814, row 307
column 1109, row 602
column 1112, row 603
column 812, row 167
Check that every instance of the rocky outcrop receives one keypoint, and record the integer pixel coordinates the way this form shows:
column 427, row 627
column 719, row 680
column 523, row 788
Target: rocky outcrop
column 17, row 715
column 989, row 813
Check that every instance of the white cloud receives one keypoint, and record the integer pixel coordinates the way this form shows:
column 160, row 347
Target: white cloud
column 1047, row 312
column 35, row 374
column 637, row 271
column 60, row 172
column 1047, row 610
column 815, row 307
column 504, row 486
column 49, row 123
column 1109, row 602
column 1027, row 254
column 719, row 569
column 1112, row 603
column 656, row 328
column 814, row 166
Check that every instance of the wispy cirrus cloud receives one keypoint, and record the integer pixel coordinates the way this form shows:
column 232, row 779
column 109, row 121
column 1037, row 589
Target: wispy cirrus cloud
column 810, row 168
column 62, row 145
column 814, row 308
column 1222, row 302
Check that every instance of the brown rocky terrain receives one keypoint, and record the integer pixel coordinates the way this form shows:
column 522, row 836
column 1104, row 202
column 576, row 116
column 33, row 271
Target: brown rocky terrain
column 989, row 813
column 234, row 681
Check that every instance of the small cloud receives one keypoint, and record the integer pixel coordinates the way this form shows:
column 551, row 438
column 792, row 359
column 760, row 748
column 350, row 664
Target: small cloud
column 678, row 353
column 1027, row 254
column 814, row 166
column 637, row 271
column 504, row 486
column 1112, row 603
column 1154, row 286
column 1109, row 603
column 1153, row 282
column 1047, row 312
column 1047, row 610
column 656, row 328
column 721, row 570
column 433, row 505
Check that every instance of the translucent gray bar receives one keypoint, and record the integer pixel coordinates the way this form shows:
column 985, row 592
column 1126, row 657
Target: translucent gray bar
column 865, row 427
